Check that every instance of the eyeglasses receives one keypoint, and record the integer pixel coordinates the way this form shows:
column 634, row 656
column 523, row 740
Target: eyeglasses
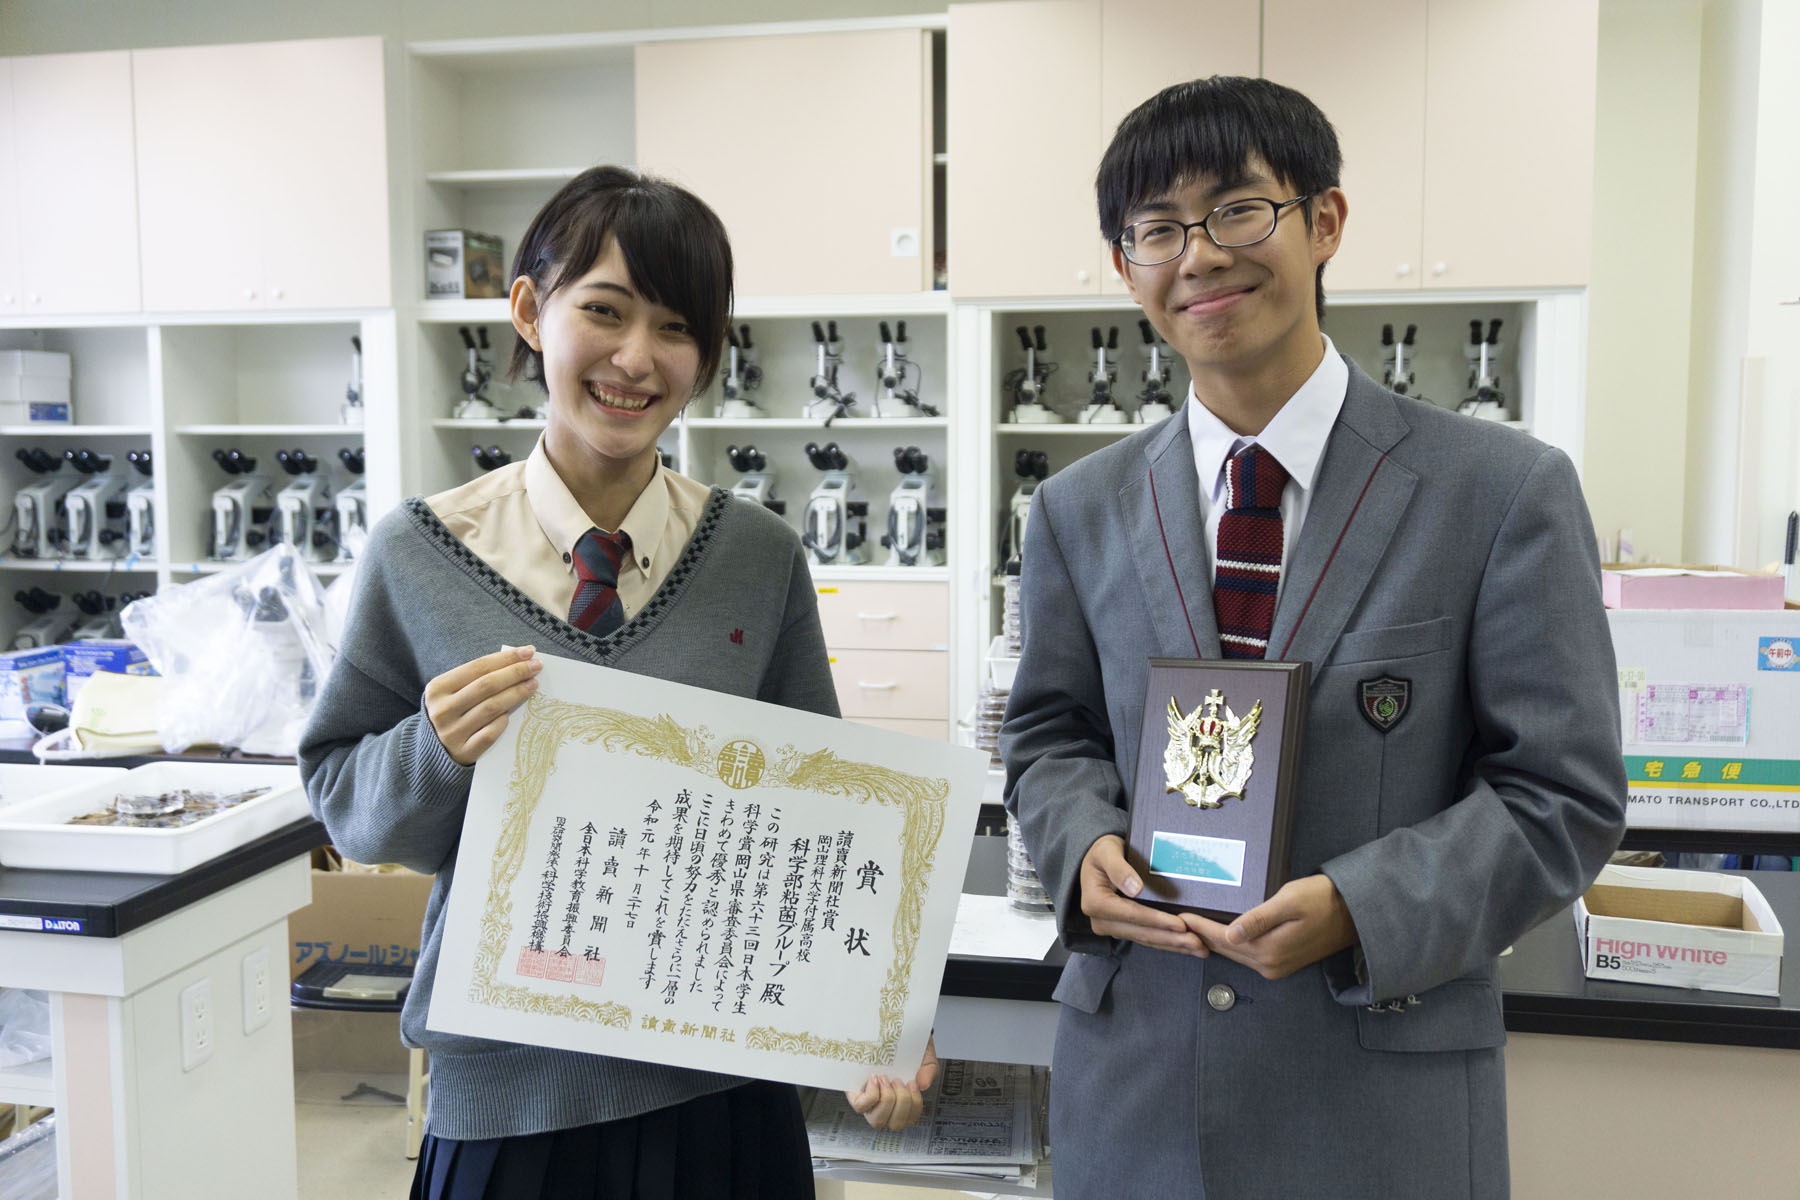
column 1240, row 223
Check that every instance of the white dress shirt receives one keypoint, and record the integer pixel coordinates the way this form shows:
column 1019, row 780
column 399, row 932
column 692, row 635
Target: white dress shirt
column 1295, row 435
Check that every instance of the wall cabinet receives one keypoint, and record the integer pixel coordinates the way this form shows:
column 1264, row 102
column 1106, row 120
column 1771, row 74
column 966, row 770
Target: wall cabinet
column 262, row 176
column 815, row 150
column 68, row 226
column 1452, row 182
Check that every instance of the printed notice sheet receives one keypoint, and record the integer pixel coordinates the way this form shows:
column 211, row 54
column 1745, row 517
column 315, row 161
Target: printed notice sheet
column 684, row 877
column 980, row 1114
column 1694, row 714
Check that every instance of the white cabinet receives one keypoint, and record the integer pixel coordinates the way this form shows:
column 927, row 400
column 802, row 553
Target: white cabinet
column 68, row 224
column 815, row 150
column 262, row 176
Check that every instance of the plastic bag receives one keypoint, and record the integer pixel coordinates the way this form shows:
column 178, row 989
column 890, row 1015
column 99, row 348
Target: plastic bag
column 241, row 653
column 28, row 1163
column 24, row 1027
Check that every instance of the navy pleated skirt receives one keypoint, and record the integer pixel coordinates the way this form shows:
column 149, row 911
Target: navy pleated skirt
column 748, row 1143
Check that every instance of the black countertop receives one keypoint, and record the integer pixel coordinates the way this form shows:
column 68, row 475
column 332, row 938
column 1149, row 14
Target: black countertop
column 1542, row 986
column 110, row 904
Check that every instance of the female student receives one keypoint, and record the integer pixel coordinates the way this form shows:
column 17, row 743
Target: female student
column 590, row 549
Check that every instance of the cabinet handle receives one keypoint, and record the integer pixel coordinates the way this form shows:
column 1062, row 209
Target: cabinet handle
column 1403, row 270
column 1439, row 268
column 862, row 616
column 37, row 299
column 1081, row 277
column 877, row 687
column 275, row 292
column 249, row 293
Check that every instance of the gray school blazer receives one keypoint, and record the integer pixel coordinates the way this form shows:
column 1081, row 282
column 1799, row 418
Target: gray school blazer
column 1447, row 552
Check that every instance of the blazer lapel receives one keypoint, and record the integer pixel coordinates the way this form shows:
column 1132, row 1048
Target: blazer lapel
column 1161, row 509
column 1353, row 513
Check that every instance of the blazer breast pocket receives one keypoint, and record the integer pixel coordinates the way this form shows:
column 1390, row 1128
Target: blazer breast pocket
column 1084, row 981
column 1392, row 642
column 1463, row 1014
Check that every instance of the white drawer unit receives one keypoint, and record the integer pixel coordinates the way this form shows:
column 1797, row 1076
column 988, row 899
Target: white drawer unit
column 910, row 685
column 937, row 731
column 885, row 616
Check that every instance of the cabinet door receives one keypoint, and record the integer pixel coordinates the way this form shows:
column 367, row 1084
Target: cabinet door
column 77, row 176
column 1146, row 45
column 10, row 283
column 814, row 150
column 1509, row 171
column 1024, row 130
column 324, row 232
column 200, row 146
column 1363, row 63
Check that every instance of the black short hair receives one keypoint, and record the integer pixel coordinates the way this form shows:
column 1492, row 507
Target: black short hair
column 1211, row 128
column 675, row 250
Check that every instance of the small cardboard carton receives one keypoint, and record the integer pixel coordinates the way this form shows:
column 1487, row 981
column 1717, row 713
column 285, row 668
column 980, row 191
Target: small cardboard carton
column 1623, row 585
column 360, row 917
column 28, row 677
column 1692, row 929
column 460, row 265
column 116, row 655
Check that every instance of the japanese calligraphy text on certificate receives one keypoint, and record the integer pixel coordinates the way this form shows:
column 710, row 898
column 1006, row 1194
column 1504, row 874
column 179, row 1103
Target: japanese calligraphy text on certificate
column 690, row 878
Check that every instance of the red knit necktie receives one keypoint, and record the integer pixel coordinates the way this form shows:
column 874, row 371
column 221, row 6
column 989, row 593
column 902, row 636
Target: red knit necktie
column 1248, row 574
column 597, row 607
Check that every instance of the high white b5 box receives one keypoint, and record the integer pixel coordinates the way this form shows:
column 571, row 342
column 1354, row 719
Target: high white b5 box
column 34, row 387
column 1692, row 929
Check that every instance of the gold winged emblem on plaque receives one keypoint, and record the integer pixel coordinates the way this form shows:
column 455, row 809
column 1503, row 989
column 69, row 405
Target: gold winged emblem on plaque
column 1209, row 757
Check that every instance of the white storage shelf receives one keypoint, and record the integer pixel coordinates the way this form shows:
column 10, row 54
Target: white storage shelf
column 33, row 1084
column 53, row 429
column 81, row 566
column 227, row 430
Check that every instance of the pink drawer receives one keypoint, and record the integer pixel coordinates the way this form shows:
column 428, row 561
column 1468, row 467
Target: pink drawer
column 885, row 616
column 937, row 731
column 909, row 685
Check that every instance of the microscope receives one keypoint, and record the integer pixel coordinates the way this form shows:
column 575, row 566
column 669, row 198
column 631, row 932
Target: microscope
column 241, row 509
column 1103, row 408
column 303, row 510
column 101, row 617
column 828, row 398
column 758, row 482
column 140, row 509
column 1487, row 401
column 915, row 525
column 891, row 374
column 47, row 627
column 94, row 510
column 1031, row 466
column 742, row 376
column 1028, row 383
column 1154, row 401
column 477, row 372
column 351, row 412
column 489, row 458
column 37, row 507
column 834, row 503
column 1396, row 358
column 352, row 508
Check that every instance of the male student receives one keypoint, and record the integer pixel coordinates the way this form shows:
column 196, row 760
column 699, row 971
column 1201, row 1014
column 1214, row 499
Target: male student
column 1344, row 1038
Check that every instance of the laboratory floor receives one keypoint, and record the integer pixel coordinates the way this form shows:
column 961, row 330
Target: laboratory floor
column 350, row 1115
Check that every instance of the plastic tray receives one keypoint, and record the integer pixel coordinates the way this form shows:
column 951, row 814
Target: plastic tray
column 27, row 781
column 34, row 834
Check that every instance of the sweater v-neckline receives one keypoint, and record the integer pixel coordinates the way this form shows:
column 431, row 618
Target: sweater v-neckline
column 611, row 646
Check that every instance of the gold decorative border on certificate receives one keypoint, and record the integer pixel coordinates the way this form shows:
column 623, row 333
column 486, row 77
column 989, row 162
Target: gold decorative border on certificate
column 547, row 725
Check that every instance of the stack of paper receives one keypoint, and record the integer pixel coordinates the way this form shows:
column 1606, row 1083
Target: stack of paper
column 982, row 1121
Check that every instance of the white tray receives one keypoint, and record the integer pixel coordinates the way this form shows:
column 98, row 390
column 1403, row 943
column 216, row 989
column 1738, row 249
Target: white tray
column 34, row 834
column 27, row 781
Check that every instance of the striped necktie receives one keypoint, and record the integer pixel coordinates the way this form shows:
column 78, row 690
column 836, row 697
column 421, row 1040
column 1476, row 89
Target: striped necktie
column 1249, row 568
column 597, row 607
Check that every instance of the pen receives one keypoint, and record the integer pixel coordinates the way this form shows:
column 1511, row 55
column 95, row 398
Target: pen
column 1787, row 559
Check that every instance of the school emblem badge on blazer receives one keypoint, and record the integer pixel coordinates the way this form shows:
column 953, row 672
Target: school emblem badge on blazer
column 1384, row 701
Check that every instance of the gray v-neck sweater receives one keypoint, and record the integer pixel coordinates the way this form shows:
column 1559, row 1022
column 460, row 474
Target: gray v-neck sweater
column 737, row 614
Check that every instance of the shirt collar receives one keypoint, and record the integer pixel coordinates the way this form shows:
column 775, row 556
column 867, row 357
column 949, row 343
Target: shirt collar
column 1295, row 435
column 564, row 521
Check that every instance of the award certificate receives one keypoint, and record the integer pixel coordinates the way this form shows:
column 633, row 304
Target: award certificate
column 653, row 871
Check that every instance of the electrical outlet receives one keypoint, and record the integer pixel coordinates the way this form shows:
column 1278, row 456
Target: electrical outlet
column 196, row 1024
column 256, row 990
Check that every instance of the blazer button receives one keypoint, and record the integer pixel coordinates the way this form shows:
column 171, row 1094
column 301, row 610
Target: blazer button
column 1221, row 997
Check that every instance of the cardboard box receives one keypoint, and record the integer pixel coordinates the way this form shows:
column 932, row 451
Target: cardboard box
column 34, row 387
column 460, row 265
column 1692, row 929
column 28, row 677
column 358, row 917
column 1710, row 702
column 116, row 655
column 1689, row 587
